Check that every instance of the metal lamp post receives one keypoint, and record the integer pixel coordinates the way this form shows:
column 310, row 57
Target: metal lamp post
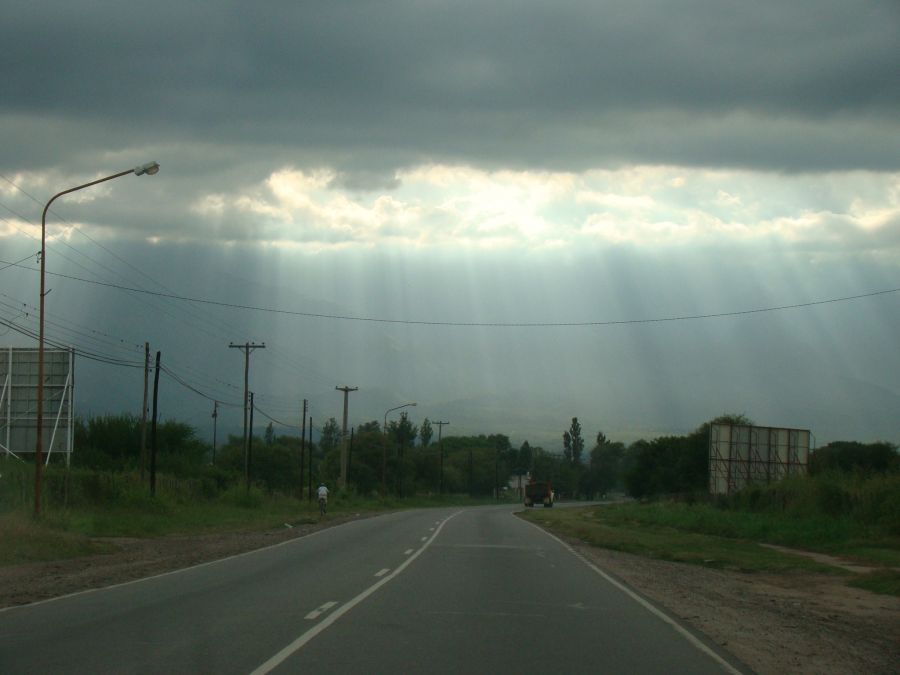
column 150, row 168
column 384, row 446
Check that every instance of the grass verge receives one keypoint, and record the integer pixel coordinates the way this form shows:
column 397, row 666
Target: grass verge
column 79, row 530
column 25, row 540
column 701, row 534
column 598, row 527
column 886, row 582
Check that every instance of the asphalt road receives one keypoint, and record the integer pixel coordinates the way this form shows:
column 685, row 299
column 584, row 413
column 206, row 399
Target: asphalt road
column 474, row 590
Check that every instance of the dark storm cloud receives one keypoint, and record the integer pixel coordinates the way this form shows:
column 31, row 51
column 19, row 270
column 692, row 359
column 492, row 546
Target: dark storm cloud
column 368, row 86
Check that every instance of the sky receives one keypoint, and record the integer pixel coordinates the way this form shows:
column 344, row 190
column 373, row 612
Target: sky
column 643, row 214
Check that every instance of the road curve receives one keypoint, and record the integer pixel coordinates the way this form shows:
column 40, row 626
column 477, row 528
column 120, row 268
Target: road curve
column 431, row 590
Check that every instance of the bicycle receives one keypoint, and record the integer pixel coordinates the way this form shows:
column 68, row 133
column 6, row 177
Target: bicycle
column 323, row 503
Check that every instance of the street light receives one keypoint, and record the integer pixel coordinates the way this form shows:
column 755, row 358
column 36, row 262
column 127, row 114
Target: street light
column 384, row 446
column 150, row 169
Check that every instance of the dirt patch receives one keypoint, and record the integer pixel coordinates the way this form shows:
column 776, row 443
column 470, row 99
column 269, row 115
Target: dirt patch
column 774, row 623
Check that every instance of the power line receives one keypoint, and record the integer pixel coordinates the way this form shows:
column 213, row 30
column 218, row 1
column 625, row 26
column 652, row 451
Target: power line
column 272, row 419
column 176, row 378
column 476, row 324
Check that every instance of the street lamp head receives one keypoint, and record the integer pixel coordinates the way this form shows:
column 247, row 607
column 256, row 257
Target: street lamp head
column 150, row 168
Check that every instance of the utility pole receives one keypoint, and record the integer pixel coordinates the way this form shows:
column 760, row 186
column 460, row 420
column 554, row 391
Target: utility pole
column 342, row 483
column 350, row 457
column 153, row 428
column 303, row 447
column 440, row 426
column 309, row 478
column 215, row 417
column 247, row 348
column 250, row 444
column 144, row 411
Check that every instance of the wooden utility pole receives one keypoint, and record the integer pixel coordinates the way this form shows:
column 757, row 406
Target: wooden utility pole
column 342, row 483
column 309, row 479
column 250, row 444
column 440, row 426
column 247, row 347
column 144, row 411
column 350, row 457
column 153, row 427
column 215, row 417
column 303, row 447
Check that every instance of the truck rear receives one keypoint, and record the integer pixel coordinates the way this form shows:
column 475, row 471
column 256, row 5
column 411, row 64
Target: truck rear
column 539, row 493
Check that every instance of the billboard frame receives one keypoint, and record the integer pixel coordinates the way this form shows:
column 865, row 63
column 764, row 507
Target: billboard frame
column 742, row 455
column 18, row 396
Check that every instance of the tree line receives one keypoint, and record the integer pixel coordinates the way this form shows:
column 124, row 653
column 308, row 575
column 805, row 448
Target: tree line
column 404, row 459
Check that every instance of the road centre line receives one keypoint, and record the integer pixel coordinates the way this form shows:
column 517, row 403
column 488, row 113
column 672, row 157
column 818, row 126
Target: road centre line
column 316, row 613
column 382, row 572
column 690, row 637
column 305, row 637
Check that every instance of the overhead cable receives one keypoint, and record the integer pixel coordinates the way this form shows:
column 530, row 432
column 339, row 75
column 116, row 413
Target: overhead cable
column 478, row 324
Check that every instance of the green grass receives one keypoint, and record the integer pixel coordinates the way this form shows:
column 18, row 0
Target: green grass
column 885, row 582
column 102, row 505
column 725, row 538
column 665, row 542
column 25, row 540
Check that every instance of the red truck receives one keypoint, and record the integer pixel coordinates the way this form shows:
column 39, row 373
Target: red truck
column 537, row 492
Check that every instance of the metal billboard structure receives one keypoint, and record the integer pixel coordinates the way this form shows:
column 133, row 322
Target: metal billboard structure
column 741, row 455
column 18, row 402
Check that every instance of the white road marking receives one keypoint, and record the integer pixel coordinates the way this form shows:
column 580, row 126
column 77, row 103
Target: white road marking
column 424, row 538
column 431, row 529
column 407, row 551
column 381, row 573
column 298, row 644
column 690, row 637
column 316, row 613
column 180, row 570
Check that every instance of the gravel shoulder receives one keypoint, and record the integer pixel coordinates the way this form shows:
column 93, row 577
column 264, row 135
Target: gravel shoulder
column 774, row 623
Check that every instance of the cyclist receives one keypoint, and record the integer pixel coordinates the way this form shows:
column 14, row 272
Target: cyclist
column 323, row 498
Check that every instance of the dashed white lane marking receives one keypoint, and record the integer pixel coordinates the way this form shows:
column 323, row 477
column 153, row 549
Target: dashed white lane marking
column 297, row 644
column 431, row 529
column 381, row 573
column 424, row 538
column 407, row 551
column 316, row 613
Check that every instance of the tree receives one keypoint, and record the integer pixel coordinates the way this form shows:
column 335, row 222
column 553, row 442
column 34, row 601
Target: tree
column 331, row 436
column 573, row 443
column 605, row 470
column 674, row 464
column 426, row 433
column 404, row 434
column 850, row 456
column 369, row 427
column 524, row 460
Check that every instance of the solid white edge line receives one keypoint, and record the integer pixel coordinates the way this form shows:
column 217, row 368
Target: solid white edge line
column 690, row 637
column 182, row 569
column 305, row 637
